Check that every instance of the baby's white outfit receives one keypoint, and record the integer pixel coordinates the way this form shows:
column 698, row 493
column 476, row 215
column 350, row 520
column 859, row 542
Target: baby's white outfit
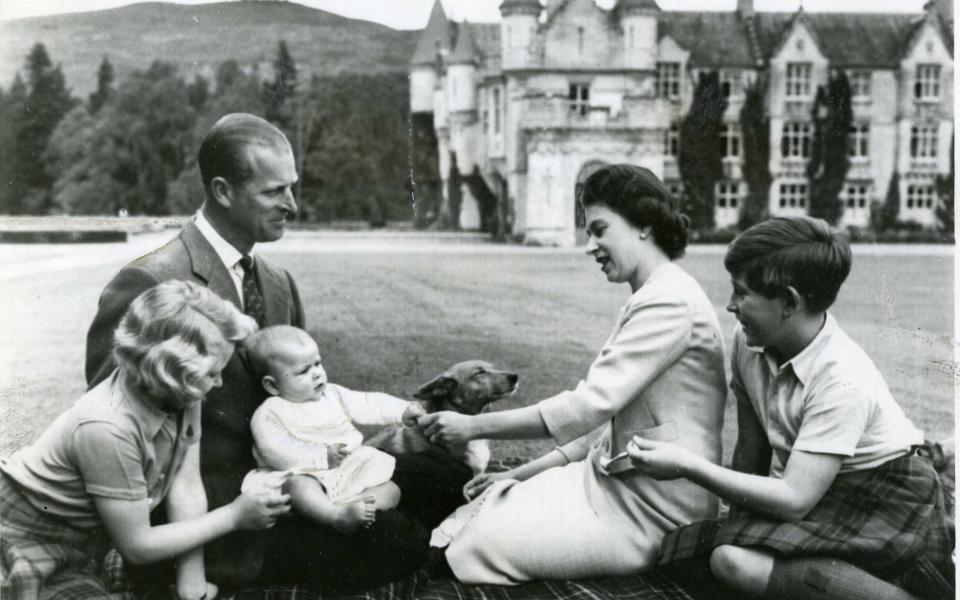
column 293, row 437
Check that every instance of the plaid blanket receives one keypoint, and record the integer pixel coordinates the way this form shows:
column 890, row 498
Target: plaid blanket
column 889, row 521
column 41, row 553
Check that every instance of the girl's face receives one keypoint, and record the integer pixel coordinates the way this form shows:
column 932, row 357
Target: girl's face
column 615, row 243
column 210, row 377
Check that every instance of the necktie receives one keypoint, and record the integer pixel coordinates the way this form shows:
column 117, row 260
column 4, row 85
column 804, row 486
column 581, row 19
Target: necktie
column 252, row 300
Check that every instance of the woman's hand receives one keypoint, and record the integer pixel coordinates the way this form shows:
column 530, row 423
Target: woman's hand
column 204, row 590
column 447, row 428
column 660, row 460
column 259, row 511
column 478, row 484
column 336, row 454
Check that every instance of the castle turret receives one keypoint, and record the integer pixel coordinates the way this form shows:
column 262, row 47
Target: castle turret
column 518, row 32
column 639, row 21
column 462, row 73
column 434, row 43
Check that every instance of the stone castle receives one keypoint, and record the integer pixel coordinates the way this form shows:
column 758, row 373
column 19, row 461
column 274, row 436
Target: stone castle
column 526, row 108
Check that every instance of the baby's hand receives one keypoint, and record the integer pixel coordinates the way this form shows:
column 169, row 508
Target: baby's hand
column 336, row 454
column 414, row 411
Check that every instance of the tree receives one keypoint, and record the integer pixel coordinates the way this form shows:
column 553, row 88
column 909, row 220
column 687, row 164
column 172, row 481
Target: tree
column 700, row 160
column 829, row 159
column 11, row 112
column 944, row 185
column 885, row 216
column 279, row 93
column 104, row 87
column 755, row 125
column 198, row 92
column 46, row 101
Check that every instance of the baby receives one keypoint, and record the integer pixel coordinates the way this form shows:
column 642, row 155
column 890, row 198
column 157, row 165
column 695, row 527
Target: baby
column 304, row 435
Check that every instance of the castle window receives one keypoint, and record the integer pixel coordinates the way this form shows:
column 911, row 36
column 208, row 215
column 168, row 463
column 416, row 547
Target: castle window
column 730, row 141
column 671, row 140
column 920, row 196
column 727, row 194
column 798, row 80
column 793, row 195
column 668, row 80
column 923, row 141
column 855, row 195
column 496, row 110
column 795, row 142
column 579, row 98
column 731, row 84
column 927, row 82
column 859, row 84
column 858, row 143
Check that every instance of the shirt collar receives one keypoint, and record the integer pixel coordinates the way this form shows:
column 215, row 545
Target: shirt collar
column 804, row 364
column 149, row 416
column 227, row 253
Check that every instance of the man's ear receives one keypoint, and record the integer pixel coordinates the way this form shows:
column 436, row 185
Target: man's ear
column 222, row 191
column 270, row 384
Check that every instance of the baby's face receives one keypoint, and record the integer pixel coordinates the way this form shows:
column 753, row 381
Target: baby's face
column 300, row 376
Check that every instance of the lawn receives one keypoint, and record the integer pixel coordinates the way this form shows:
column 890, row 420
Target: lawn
column 391, row 315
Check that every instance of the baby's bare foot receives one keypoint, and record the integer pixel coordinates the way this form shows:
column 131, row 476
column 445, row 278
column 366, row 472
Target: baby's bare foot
column 355, row 515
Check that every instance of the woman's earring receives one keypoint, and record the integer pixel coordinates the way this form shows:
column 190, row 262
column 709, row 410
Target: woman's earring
column 643, row 236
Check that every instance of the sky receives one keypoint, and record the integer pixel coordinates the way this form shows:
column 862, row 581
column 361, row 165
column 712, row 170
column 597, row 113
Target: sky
column 413, row 14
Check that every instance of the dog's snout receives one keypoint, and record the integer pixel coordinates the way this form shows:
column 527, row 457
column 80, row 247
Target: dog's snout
column 512, row 378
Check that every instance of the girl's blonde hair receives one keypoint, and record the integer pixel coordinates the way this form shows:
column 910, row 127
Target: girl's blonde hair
column 168, row 332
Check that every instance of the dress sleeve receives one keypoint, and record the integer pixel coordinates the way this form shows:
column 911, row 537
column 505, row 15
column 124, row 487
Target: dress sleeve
column 655, row 332
column 373, row 408
column 110, row 463
column 278, row 448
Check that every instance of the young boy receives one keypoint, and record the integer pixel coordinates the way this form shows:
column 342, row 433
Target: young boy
column 304, row 433
column 831, row 497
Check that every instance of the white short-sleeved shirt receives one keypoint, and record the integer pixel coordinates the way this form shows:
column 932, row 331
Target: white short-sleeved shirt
column 829, row 399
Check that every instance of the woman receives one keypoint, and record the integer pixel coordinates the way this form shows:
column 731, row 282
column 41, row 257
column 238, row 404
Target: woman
column 583, row 510
column 130, row 443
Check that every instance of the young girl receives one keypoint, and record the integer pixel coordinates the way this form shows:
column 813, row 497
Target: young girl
column 130, row 443
column 832, row 495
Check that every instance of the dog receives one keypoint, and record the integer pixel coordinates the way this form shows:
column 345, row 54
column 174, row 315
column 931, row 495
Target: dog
column 467, row 388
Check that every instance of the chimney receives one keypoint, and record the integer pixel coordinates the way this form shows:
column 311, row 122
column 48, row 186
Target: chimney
column 745, row 8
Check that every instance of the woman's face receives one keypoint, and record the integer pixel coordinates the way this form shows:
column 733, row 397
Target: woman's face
column 615, row 243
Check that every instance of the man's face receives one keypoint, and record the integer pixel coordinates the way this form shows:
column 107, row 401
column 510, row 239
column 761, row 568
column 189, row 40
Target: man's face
column 260, row 205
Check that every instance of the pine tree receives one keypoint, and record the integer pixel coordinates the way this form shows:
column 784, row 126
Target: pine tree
column 279, row 93
column 701, row 160
column 198, row 92
column 755, row 125
column 829, row 160
column 944, row 185
column 885, row 217
column 104, row 89
column 12, row 187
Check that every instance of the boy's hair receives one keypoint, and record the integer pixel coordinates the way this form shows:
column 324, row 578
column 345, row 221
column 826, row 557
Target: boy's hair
column 268, row 347
column 791, row 251
column 169, row 331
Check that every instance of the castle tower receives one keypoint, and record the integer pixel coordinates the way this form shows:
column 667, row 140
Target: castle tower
column 518, row 31
column 462, row 73
column 433, row 44
column 639, row 21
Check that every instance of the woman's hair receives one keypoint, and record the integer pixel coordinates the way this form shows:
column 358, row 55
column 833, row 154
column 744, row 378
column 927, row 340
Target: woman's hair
column 799, row 252
column 638, row 196
column 170, row 331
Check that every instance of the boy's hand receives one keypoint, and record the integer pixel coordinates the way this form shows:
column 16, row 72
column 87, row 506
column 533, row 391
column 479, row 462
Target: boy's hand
column 660, row 460
column 336, row 454
column 414, row 411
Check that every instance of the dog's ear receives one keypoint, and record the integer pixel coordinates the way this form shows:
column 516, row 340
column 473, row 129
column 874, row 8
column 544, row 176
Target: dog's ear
column 440, row 388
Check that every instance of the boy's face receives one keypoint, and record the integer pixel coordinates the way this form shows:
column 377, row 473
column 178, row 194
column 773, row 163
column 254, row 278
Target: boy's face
column 299, row 376
column 762, row 318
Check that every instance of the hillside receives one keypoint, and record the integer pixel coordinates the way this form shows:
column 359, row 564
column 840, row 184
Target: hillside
column 197, row 38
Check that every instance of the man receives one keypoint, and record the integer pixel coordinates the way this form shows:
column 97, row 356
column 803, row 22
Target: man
column 248, row 173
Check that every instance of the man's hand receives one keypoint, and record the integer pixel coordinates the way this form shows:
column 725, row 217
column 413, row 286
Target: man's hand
column 336, row 454
column 660, row 460
column 414, row 411
column 447, row 428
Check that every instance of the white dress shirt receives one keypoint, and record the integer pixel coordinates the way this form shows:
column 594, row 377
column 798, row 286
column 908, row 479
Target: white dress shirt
column 227, row 253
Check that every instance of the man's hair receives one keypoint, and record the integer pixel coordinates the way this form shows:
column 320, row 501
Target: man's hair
column 167, row 333
column 801, row 252
column 223, row 151
column 267, row 348
column 638, row 196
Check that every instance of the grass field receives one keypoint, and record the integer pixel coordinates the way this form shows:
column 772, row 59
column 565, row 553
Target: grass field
column 392, row 313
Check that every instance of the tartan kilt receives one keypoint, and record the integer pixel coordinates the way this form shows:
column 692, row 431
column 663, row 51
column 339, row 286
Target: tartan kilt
column 44, row 557
column 885, row 520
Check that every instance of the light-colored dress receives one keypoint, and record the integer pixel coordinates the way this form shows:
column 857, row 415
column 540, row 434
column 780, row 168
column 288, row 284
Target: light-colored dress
column 293, row 437
column 659, row 375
